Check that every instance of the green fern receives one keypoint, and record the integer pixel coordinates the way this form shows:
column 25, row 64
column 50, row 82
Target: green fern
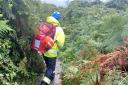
column 5, row 30
column 124, row 81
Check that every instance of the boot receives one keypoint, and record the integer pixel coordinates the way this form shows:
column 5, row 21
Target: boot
column 43, row 83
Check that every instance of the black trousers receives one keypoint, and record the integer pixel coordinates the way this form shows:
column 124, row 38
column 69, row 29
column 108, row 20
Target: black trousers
column 50, row 67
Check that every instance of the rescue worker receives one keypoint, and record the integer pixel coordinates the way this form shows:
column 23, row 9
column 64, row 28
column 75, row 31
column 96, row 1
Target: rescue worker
column 51, row 55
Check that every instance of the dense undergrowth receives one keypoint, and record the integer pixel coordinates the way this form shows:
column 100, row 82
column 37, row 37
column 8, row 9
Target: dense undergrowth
column 92, row 29
column 18, row 19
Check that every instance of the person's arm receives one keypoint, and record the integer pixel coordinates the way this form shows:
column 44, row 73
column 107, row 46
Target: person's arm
column 59, row 37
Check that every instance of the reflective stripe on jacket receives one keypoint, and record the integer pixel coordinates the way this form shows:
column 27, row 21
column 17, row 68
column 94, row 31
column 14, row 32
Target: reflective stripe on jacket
column 59, row 38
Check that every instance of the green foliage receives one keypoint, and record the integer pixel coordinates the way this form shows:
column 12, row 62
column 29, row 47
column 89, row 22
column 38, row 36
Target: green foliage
column 118, row 4
column 92, row 29
column 6, row 8
column 115, row 77
column 4, row 29
column 124, row 81
column 13, row 50
column 97, row 25
column 9, row 70
column 18, row 21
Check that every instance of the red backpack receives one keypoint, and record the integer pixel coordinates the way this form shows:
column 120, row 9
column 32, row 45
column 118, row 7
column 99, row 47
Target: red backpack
column 44, row 37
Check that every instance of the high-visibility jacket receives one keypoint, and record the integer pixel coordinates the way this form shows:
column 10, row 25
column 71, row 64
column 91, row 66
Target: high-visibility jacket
column 59, row 38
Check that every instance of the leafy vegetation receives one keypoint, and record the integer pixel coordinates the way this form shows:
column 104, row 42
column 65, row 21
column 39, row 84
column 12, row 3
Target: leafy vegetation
column 17, row 23
column 92, row 28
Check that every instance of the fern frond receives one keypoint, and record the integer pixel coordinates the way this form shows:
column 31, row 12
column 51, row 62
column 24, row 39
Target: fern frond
column 5, row 30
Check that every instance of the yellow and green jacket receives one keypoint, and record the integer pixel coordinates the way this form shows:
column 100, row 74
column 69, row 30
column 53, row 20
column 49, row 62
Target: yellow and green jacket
column 59, row 38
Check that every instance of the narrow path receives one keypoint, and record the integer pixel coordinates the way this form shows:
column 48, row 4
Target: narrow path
column 58, row 73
